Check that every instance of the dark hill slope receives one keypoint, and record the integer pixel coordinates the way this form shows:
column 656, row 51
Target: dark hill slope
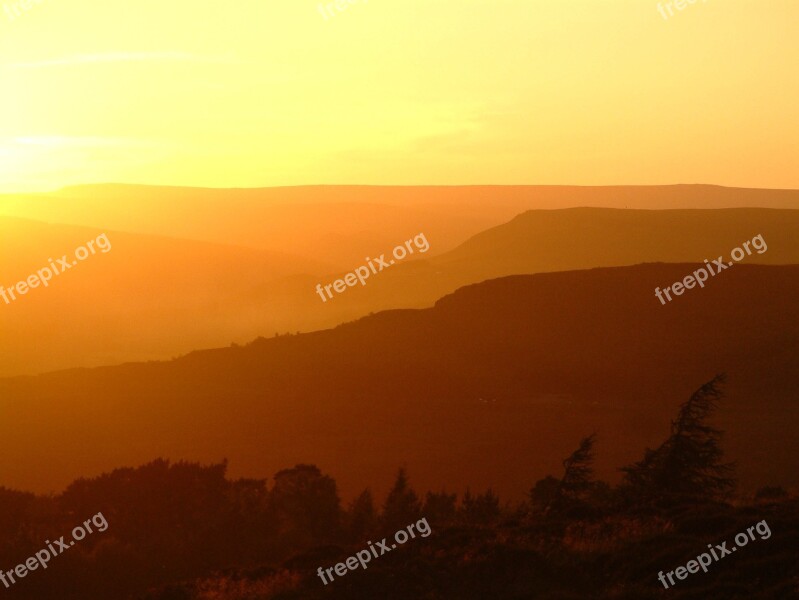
column 492, row 386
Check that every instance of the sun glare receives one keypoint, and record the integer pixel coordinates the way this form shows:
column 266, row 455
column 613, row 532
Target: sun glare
column 17, row 167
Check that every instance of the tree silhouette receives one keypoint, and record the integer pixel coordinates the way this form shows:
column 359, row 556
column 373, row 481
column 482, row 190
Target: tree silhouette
column 306, row 504
column 439, row 507
column 362, row 516
column 576, row 485
column 688, row 463
column 480, row 509
column 544, row 492
column 578, row 472
column 402, row 504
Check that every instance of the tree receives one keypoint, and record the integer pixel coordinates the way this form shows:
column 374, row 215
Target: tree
column 306, row 504
column 480, row 509
column 402, row 504
column 689, row 463
column 362, row 516
column 578, row 473
column 439, row 507
column 576, row 486
column 544, row 492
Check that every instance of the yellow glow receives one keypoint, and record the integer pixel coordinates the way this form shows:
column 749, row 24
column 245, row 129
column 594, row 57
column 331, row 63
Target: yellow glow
column 258, row 93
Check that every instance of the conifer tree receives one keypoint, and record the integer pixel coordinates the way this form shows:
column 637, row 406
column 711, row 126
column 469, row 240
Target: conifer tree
column 362, row 516
column 689, row 463
column 402, row 504
column 578, row 471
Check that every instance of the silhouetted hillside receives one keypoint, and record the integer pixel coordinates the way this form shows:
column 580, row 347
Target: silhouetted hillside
column 508, row 372
column 142, row 296
column 339, row 225
column 157, row 298
column 344, row 223
column 540, row 241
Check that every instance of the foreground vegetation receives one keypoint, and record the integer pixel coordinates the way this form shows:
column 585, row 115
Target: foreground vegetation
column 186, row 532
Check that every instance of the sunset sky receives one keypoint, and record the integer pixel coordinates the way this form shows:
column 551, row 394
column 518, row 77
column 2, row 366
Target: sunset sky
column 268, row 92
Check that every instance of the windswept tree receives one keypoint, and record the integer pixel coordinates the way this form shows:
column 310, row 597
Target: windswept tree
column 575, row 488
column 689, row 463
column 578, row 473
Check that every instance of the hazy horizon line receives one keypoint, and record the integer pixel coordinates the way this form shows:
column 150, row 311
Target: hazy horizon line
column 388, row 185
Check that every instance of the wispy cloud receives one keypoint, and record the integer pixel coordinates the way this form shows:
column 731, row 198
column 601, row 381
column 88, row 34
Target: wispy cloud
column 54, row 141
column 117, row 57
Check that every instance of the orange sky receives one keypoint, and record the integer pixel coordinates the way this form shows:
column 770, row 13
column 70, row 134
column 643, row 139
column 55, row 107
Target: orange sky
column 259, row 93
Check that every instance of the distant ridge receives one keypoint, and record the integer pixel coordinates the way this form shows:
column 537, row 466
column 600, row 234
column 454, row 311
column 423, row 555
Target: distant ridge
column 158, row 302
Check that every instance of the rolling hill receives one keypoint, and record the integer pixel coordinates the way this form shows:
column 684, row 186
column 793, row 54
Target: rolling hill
column 157, row 299
column 492, row 386
column 342, row 224
column 148, row 296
